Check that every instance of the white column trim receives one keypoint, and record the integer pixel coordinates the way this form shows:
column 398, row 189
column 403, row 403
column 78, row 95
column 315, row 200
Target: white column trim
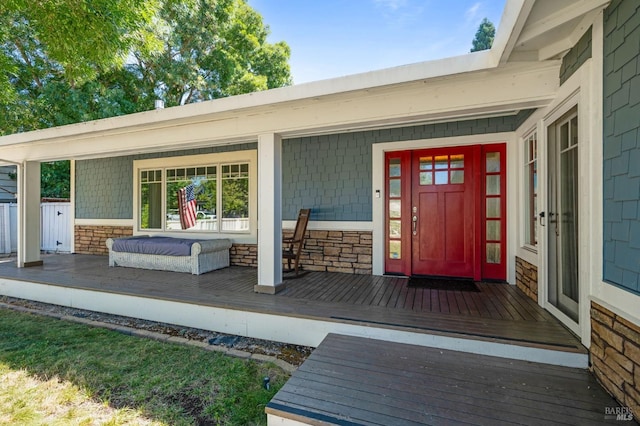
column 19, row 219
column 29, row 214
column 104, row 222
column 72, row 207
column 270, row 214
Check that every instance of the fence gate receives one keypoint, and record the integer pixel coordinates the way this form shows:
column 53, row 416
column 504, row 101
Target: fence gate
column 55, row 231
column 8, row 228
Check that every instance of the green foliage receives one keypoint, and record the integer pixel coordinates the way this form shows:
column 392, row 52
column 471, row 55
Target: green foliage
column 79, row 37
column 61, row 61
column 212, row 49
column 235, row 198
column 63, row 64
column 208, row 196
column 68, row 61
column 54, row 179
column 484, row 36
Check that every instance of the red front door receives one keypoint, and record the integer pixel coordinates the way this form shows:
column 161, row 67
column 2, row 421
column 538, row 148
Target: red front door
column 446, row 212
column 443, row 212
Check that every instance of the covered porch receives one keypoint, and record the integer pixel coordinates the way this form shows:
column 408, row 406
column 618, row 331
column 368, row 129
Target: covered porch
column 498, row 320
column 450, row 102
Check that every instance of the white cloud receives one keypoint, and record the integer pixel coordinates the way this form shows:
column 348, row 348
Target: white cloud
column 471, row 14
column 398, row 14
column 391, row 4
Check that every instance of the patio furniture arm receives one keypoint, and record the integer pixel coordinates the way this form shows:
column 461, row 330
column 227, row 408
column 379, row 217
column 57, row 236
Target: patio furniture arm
column 208, row 246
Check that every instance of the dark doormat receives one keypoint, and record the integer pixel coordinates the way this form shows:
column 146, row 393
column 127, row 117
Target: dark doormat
column 443, row 283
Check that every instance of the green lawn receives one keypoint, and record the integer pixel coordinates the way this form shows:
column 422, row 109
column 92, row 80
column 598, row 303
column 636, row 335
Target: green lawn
column 56, row 372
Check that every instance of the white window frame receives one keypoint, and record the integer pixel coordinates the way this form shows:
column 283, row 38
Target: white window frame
column 527, row 199
column 246, row 156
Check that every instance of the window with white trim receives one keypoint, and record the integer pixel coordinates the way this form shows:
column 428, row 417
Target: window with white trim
column 211, row 193
column 531, row 188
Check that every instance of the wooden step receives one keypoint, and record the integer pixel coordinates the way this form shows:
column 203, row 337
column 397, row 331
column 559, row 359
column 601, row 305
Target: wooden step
column 359, row 381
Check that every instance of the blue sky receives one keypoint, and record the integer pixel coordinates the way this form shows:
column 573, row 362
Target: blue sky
column 332, row 38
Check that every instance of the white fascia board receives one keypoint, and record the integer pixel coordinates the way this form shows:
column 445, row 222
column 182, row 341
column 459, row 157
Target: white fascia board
column 4, row 163
column 513, row 19
column 226, row 109
column 506, row 89
column 558, row 48
column 549, row 23
column 364, row 81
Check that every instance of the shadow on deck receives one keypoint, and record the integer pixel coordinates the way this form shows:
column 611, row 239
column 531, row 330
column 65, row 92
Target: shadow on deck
column 354, row 381
column 499, row 320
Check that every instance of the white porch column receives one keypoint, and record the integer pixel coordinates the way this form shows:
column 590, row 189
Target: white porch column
column 29, row 214
column 269, row 214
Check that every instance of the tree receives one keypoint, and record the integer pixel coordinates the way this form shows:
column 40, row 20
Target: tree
column 70, row 39
column 484, row 36
column 180, row 51
column 54, row 179
column 68, row 61
column 212, row 49
column 53, row 55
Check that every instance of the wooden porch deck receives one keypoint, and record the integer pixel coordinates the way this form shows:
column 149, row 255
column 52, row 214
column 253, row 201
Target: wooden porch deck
column 499, row 313
column 354, row 381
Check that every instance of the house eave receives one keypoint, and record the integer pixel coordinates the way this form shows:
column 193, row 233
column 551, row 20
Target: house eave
column 451, row 97
column 287, row 97
column 269, row 98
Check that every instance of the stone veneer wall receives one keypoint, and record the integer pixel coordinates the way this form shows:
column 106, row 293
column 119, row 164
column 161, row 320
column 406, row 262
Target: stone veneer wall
column 337, row 251
column 330, row 251
column 244, row 255
column 90, row 239
column 615, row 356
column 527, row 278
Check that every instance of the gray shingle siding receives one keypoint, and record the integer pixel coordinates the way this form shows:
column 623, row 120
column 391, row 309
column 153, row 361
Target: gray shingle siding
column 621, row 150
column 330, row 174
column 104, row 186
column 576, row 57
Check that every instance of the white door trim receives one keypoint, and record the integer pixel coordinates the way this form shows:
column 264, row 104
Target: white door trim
column 378, row 186
column 579, row 90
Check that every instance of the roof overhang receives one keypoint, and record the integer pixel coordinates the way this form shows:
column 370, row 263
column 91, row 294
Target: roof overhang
column 501, row 91
column 546, row 30
column 474, row 85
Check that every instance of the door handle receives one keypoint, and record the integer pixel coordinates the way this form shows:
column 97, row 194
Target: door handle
column 414, row 219
column 541, row 218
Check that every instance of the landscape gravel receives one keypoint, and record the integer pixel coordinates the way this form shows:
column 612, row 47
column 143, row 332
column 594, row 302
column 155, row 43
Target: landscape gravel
column 285, row 355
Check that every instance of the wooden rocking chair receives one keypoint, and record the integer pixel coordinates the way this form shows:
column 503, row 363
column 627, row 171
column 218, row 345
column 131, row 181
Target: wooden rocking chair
column 292, row 246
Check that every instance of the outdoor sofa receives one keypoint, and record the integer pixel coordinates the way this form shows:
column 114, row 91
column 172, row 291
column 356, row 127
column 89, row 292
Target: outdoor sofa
column 169, row 254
